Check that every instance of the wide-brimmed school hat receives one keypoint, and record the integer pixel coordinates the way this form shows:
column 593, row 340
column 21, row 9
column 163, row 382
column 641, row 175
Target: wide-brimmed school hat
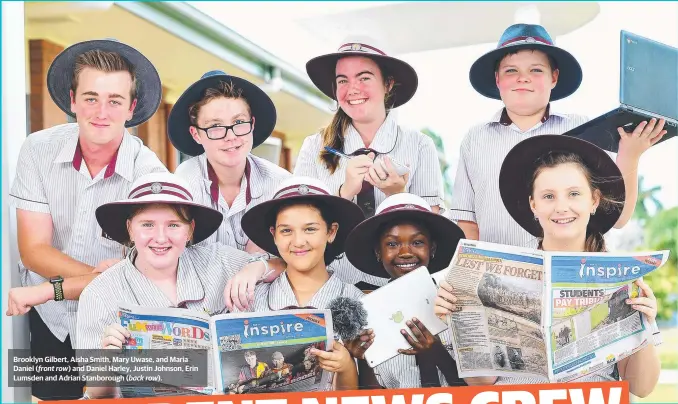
column 148, row 86
column 156, row 188
column 396, row 209
column 522, row 161
column 179, row 121
column 526, row 36
column 322, row 69
column 257, row 221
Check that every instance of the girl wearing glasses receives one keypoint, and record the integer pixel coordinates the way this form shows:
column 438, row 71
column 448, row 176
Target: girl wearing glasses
column 219, row 120
column 306, row 226
column 367, row 145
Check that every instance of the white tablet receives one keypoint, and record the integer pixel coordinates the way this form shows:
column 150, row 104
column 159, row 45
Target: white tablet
column 390, row 306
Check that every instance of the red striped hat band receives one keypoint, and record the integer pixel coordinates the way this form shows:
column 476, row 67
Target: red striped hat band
column 526, row 39
column 360, row 47
column 405, row 206
column 161, row 188
column 299, row 190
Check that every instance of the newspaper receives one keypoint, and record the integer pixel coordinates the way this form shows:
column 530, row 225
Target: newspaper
column 167, row 328
column 269, row 352
column 253, row 352
column 554, row 315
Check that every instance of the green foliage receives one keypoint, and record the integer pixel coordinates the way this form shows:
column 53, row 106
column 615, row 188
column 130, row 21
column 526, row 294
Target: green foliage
column 444, row 165
column 646, row 196
column 661, row 233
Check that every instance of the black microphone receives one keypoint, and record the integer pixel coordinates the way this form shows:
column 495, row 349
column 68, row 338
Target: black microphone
column 349, row 317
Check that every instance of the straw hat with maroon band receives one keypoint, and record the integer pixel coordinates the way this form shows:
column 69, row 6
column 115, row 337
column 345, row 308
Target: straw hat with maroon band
column 322, row 69
column 522, row 161
column 397, row 209
column 346, row 213
column 526, row 36
column 161, row 188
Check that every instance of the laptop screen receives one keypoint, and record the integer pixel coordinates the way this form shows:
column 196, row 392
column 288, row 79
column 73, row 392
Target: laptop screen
column 649, row 75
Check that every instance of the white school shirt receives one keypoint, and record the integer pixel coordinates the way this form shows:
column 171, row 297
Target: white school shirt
column 402, row 372
column 406, row 145
column 52, row 178
column 257, row 186
column 279, row 295
column 476, row 196
column 201, row 278
column 607, row 374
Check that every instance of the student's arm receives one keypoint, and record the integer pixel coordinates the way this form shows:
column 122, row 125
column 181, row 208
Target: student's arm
column 34, row 233
column 94, row 315
column 462, row 208
column 243, row 276
column 22, row 299
column 629, row 169
column 367, row 379
column 470, row 229
column 339, row 361
column 631, row 147
column 481, row 381
column 34, row 221
column 641, row 370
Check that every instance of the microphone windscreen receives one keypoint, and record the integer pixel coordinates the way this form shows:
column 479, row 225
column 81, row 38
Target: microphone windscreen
column 349, row 317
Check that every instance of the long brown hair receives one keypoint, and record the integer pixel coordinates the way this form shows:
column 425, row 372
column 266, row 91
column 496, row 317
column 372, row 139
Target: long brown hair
column 595, row 242
column 333, row 134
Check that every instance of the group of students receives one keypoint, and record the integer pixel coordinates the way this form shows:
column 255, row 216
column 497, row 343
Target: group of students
column 229, row 231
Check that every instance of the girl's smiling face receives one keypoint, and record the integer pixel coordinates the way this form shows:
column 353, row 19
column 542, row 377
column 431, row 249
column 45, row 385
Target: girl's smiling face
column 563, row 201
column 301, row 235
column 404, row 247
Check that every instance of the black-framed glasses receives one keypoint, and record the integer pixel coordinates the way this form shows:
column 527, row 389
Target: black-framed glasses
column 217, row 132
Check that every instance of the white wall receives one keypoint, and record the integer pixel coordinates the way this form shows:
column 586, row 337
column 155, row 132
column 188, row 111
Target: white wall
column 14, row 330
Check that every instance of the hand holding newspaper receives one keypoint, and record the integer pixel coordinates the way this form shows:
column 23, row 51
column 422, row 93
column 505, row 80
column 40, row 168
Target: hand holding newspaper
column 556, row 315
column 253, row 352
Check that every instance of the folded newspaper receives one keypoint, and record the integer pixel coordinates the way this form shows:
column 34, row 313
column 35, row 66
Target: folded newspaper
column 556, row 315
column 253, row 352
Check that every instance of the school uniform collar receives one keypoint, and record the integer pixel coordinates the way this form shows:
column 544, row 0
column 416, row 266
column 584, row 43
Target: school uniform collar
column 383, row 140
column 189, row 286
column 250, row 188
column 121, row 163
column 281, row 295
column 501, row 117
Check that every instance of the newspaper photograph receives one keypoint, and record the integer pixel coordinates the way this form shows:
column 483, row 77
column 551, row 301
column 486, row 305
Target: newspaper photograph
column 167, row 328
column 525, row 312
column 270, row 352
column 590, row 324
column 499, row 328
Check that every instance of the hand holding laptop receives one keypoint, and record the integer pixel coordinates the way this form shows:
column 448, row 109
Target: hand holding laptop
column 648, row 89
column 644, row 136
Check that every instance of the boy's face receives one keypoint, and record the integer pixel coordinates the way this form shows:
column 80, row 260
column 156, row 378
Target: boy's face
column 525, row 81
column 102, row 105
